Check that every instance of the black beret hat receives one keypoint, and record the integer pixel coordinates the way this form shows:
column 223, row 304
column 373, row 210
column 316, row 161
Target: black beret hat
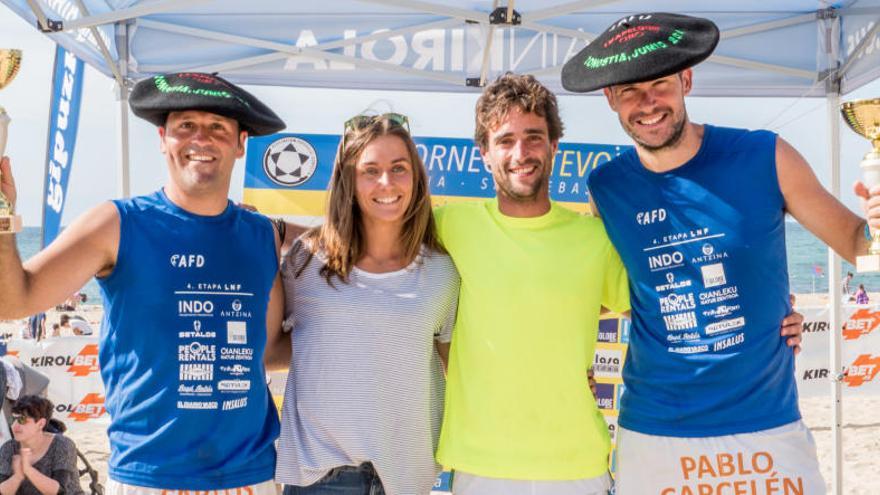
column 152, row 99
column 641, row 47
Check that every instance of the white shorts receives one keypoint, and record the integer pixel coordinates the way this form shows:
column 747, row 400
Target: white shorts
column 780, row 460
column 471, row 484
column 116, row 488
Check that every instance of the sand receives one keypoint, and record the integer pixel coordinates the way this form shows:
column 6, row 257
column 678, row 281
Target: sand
column 861, row 426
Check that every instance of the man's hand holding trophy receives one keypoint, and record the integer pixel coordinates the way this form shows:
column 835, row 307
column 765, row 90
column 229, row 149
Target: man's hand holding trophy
column 10, row 223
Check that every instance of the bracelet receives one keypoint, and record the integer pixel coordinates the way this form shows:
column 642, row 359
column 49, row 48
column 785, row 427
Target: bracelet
column 868, row 235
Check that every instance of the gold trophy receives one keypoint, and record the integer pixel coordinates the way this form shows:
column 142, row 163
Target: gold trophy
column 10, row 61
column 863, row 117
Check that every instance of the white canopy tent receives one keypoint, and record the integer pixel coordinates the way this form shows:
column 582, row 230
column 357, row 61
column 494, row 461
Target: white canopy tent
column 794, row 48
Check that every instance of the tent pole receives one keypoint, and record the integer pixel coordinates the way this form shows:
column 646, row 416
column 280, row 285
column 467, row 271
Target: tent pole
column 834, row 300
column 123, row 185
column 42, row 21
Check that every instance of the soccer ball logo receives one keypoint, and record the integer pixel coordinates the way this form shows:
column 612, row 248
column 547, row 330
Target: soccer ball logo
column 290, row 161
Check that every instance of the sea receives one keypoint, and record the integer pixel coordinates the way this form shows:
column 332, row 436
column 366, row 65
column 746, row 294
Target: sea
column 28, row 241
column 807, row 262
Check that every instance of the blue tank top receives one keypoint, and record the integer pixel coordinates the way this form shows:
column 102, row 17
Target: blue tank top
column 182, row 344
column 704, row 247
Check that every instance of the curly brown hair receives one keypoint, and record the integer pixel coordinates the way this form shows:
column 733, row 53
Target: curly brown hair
column 515, row 91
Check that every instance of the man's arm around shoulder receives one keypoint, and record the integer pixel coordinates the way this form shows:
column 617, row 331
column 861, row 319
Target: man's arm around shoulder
column 278, row 351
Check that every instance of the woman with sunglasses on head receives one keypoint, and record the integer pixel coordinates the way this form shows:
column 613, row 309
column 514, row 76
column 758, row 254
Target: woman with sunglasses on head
column 371, row 300
column 39, row 460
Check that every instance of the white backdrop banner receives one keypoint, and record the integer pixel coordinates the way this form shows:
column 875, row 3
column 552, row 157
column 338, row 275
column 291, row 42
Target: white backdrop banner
column 860, row 352
column 71, row 364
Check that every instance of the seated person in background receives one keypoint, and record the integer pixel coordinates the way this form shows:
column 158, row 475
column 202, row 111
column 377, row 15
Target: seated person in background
column 862, row 295
column 75, row 325
column 39, row 460
column 71, row 303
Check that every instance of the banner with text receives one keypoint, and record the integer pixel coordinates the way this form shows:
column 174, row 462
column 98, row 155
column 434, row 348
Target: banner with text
column 71, row 364
column 288, row 174
column 67, row 83
column 860, row 352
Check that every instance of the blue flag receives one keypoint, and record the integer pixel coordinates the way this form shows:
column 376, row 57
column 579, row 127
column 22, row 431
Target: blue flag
column 67, row 81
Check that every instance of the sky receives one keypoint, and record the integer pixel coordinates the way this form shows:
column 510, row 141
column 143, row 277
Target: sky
column 802, row 122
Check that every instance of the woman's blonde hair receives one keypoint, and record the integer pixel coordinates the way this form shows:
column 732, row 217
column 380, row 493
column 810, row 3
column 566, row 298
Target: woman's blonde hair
column 341, row 237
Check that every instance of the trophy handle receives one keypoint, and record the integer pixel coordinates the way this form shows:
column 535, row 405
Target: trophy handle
column 4, row 128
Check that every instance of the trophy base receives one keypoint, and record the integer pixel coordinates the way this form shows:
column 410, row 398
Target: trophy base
column 868, row 263
column 10, row 224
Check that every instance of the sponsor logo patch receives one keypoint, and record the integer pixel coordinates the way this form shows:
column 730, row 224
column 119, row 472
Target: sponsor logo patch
column 713, row 275
column 234, row 385
column 605, row 396
column 196, row 332
column 196, row 351
column 184, row 389
column 680, row 321
column 672, row 284
column 674, row 303
column 816, row 374
column 608, row 330
column 195, row 307
column 721, row 311
column 235, row 370
column 86, row 362
column 862, row 322
column 236, row 332
column 665, row 261
column 197, row 372
column 290, row 161
column 729, row 342
column 651, row 216
column 725, row 325
column 607, row 363
column 195, row 404
column 235, row 404
column 863, row 369
column 187, row 260
column 236, row 353
column 718, row 295
column 674, row 338
column 816, row 326
column 695, row 349
column 90, row 407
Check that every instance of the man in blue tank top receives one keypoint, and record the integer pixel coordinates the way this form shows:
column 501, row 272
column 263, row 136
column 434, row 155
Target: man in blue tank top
column 191, row 292
column 697, row 214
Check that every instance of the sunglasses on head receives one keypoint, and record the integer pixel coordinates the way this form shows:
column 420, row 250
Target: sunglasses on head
column 361, row 121
column 19, row 418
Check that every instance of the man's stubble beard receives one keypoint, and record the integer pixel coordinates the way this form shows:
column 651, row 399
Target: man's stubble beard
column 542, row 184
column 671, row 142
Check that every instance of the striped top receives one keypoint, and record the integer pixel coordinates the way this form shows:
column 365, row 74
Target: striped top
column 365, row 382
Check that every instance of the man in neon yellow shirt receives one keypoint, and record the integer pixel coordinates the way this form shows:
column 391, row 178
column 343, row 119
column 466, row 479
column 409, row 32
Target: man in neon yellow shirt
column 519, row 416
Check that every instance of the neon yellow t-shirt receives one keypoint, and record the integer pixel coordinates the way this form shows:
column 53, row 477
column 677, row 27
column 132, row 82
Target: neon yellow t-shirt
column 518, row 405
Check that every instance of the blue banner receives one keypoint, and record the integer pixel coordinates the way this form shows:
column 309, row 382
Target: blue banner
column 288, row 174
column 67, row 82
